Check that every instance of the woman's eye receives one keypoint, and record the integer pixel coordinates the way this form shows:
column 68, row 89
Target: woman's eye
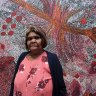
column 29, row 39
column 35, row 37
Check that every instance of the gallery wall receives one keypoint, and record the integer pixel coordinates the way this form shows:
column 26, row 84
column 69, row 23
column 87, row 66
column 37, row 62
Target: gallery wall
column 70, row 26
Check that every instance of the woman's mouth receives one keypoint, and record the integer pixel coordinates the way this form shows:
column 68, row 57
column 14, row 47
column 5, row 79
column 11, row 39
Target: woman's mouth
column 33, row 46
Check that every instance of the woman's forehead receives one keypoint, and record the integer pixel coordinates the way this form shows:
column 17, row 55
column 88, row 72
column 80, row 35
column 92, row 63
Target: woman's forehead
column 33, row 34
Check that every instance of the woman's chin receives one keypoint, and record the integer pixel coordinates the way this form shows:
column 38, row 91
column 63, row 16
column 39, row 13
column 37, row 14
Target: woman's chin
column 34, row 49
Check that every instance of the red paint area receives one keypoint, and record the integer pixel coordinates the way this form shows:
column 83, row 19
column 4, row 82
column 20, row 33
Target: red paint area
column 9, row 20
column 2, row 46
column 13, row 25
column 3, row 33
column 83, row 21
column 11, row 33
column 19, row 18
column 13, row 13
column 4, row 27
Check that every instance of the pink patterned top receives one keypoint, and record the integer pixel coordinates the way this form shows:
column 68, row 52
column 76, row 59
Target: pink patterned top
column 33, row 78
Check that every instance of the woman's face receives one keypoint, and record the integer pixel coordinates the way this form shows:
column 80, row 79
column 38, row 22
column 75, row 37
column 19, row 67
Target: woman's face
column 34, row 42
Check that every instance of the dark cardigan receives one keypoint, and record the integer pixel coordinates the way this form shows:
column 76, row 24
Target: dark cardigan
column 59, row 88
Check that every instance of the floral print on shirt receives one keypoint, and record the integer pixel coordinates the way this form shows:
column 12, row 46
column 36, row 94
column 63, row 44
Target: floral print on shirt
column 32, row 72
column 41, row 85
column 35, row 77
column 18, row 93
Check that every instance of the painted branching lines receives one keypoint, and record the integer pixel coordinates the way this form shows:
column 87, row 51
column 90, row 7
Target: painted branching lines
column 57, row 21
column 36, row 11
column 54, row 19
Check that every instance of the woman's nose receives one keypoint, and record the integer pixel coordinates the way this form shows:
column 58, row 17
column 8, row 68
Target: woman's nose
column 33, row 40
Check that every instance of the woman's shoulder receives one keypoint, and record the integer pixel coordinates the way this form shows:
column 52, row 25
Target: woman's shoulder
column 24, row 53
column 51, row 54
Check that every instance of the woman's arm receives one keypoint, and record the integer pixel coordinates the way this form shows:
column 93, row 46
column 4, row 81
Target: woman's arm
column 61, row 84
column 21, row 57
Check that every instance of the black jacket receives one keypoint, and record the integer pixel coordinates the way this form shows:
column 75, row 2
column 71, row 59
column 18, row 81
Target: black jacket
column 59, row 88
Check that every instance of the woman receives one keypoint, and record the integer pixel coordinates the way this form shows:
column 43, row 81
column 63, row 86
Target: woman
column 38, row 72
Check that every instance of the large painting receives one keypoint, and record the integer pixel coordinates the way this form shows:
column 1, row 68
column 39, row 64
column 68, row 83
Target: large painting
column 70, row 26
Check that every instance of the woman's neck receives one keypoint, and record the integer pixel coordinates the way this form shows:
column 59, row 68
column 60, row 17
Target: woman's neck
column 35, row 54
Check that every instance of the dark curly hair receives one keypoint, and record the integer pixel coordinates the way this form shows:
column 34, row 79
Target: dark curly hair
column 39, row 31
